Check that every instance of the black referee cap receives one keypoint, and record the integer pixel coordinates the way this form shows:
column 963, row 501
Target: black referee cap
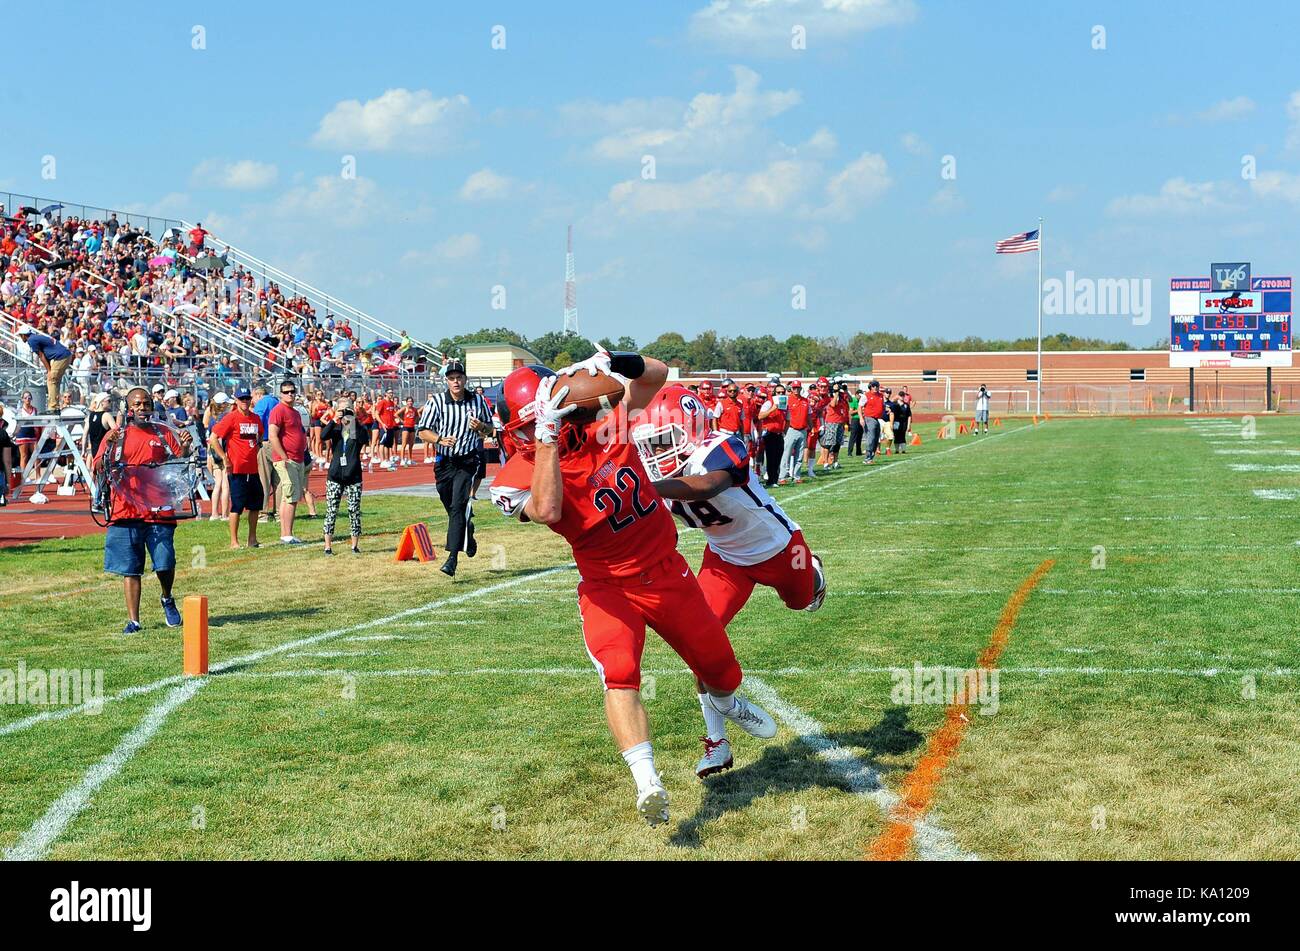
column 454, row 366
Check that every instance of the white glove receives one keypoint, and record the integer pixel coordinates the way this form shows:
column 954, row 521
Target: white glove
column 598, row 362
column 547, row 414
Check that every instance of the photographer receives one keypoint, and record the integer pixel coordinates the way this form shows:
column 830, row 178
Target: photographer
column 141, row 441
column 344, row 437
column 836, row 416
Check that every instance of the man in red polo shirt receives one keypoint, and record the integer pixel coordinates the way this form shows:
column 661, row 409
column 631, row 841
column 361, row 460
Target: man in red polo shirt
column 386, row 413
column 796, row 436
column 871, row 410
column 730, row 410
column 235, row 442
column 707, row 396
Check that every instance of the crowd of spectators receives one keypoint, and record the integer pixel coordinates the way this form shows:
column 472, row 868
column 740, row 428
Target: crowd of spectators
column 788, row 429
column 120, row 300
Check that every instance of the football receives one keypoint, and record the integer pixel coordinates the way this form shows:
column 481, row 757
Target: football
column 593, row 395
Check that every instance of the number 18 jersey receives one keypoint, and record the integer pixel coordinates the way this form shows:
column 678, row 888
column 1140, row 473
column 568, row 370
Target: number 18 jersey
column 743, row 523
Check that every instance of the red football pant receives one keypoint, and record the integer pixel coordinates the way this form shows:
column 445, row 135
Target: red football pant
column 727, row 587
column 668, row 599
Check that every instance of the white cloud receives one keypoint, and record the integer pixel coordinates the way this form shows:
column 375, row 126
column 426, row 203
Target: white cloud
column 1277, row 185
column 1064, row 193
column 947, row 200
column 863, row 180
column 243, row 175
column 775, row 188
column 1177, row 197
column 712, row 126
column 914, row 144
column 457, row 247
column 1226, row 110
column 750, row 24
column 398, row 120
column 811, row 239
column 486, row 185
column 331, row 199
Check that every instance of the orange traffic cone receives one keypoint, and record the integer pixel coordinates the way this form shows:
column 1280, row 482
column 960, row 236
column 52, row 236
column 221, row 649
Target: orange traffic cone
column 1035, row 420
column 997, row 422
column 940, row 436
column 961, row 430
column 916, row 439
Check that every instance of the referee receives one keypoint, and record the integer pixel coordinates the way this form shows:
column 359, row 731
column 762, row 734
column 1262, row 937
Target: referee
column 456, row 421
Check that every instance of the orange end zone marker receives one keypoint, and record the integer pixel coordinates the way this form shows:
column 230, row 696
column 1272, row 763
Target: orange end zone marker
column 415, row 543
column 194, row 611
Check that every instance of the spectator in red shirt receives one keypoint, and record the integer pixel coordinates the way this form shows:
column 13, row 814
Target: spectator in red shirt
column 871, row 410
column 288, row 441
column 772, row 421
column 131, row 528
column 836, row 417
column 197, row 236
column 730, row 410
column 386, row 412
column 796, row 435
column 407, row 417
column 235, row 441
column 707, row 396
column 818, row 397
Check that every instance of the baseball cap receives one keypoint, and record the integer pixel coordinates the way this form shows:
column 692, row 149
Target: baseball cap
column 796, row 385
column 25, row 329
column 170, row 395
column 221, row 398
column 242, row 392
column 821, row 380
column 454, row 366
column 158, row 388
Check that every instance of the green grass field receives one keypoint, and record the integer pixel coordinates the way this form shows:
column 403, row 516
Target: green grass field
column 1147, row 693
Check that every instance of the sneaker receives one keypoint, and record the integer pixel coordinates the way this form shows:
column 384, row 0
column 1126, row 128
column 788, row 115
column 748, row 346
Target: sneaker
column 132, row 627
column 819, row 591
column 290, row 540
column 652, row 803
column 449, row 566
column 798, row 480
column 170, row 612
column 782, row 481
column 329, row 551
column 750, row 717
column 716, row 758
column 356, row 550
column 428, row 462
column 3, row 501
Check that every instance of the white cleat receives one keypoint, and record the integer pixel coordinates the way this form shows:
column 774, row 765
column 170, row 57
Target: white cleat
column 819, row 593
column 716, row 758
column 750, row 717
column 652, row 804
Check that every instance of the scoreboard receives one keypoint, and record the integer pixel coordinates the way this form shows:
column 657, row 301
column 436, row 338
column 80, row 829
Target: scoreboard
column 1230, row 319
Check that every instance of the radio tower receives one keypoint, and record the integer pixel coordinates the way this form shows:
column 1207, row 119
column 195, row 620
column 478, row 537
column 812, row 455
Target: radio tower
column 570, row 289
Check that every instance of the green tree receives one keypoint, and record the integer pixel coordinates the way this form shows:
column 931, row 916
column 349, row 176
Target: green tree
column 455, row 345
column 704, row 352
column 670, row 347
column 622, row 343
column 550, row 346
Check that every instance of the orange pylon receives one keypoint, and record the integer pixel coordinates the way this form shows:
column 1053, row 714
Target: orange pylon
column 916, row 439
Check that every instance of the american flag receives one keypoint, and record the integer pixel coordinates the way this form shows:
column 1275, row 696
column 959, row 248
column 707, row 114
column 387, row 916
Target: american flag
column 1018, row 243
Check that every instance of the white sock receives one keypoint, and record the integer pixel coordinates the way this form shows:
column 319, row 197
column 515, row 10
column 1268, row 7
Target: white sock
column 641, row 760
column 722, row 705
column 715, row 724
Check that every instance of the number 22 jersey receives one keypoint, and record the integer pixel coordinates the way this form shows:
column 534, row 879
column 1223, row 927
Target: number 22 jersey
column 614, row 520
column 744, row 524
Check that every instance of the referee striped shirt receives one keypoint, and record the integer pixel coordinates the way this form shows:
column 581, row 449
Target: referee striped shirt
column 449, row 417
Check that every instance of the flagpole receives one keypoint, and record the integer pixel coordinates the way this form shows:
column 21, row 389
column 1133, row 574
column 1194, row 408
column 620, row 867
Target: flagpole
column 1039, row 375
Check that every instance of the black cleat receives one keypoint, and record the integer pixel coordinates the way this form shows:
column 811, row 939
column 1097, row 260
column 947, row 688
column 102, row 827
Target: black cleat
column 449, row 566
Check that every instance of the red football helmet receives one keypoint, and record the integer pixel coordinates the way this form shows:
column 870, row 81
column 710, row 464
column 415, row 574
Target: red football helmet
column 673, row 426
column 517, row 408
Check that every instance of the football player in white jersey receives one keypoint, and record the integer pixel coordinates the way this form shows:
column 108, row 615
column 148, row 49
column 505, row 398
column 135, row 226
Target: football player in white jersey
column 707, row 480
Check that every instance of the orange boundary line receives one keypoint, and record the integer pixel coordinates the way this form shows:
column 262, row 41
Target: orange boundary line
column 921, row 784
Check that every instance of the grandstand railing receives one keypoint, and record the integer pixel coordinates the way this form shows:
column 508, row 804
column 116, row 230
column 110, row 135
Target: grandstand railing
column 331, row 304
column 155, row 225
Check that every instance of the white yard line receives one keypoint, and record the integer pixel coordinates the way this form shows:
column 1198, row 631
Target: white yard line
column 1257, row 452
column 1277, row 495
column 37, row 840
column 932, row 842
column 256, row 656
column 1259, row 467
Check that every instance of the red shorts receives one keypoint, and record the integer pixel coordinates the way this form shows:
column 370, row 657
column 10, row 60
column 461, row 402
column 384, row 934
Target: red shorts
column 666, row 598
column 727, row 587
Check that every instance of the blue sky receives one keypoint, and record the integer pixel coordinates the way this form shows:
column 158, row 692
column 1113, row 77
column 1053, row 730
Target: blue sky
column 773, row 167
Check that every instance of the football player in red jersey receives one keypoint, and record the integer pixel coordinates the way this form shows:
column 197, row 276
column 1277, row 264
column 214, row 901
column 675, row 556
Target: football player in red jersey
column 705, row 477
column 588, row 484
